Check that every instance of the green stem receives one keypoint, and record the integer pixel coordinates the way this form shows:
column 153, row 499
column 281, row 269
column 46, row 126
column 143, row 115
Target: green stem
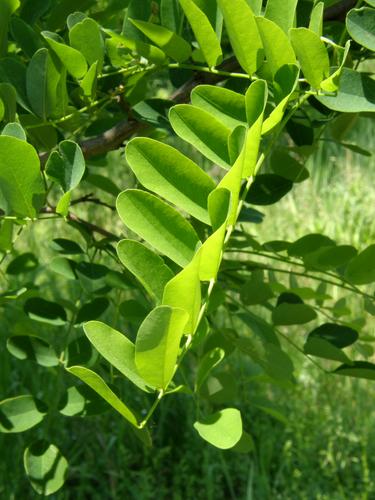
column 206, row 69
column 152, row 409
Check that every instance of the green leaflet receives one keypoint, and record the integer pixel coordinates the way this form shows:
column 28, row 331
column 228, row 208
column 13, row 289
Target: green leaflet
column 25, row 36
column 140, row 48
column 45, row 467
column 212, row 249
column 316, row 18
column 255, row 100
column 203, row 31
column 88, row 83
column 183, row 291
column 71, row 58
column 21, row 184
column 20, row 414
column 159, row 224
column 222, row 429
column 360, row 24
column 312, row 55
column 170, row 174
column 324, row 349
column 277, row 47
column 158, row 343
column 243, row 33
column 172, row 44
column 42, row 80
column 292, row 314
column 96, row 383
column 12, row 71
column 208, row 362
column 116, row 348
column 358, row 369
column 361, row 269
column 85, row 36
column 331, row 84
column 7, row 8
column 224, row 104
column 148, row 267
column 66, row 167
column 170, row 14
column 282, row 12
column 8, row 96
column 356, row 93
column 14, row 130
column 286, row 80
column 338, row 335
column 203, row 131
column 33, row 348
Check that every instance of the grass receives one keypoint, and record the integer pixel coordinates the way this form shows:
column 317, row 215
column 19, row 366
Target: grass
column 319, row 446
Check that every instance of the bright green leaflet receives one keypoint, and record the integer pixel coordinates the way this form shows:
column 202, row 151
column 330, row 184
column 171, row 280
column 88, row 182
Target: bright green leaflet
column 287, row 79
column 116, row 348
column 21, row 183
column 203, row 131
column 282, row 12
column 203, row 31
column 277, row 47
column 232, row 182
column 96, row 383
column 170, row 174
column 148, row 267
column 157, row 345
column 316, row 18
column 224, row 104
column 85, row 36
column 159, row 224
column 42, row 80
column 45, row 467
column 222, row 429
column 255, row 100
column 71, row 58
column 243, row 33
column 312, row 55
column 19, row 414
column 331, row 84
column 183, row 291
column 356, row 93
column 172, row 44
column 212, row 249
column 360, row 24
